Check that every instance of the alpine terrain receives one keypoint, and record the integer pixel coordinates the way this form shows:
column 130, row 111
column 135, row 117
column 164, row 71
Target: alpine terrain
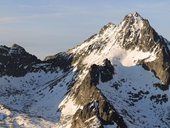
column 117, row 78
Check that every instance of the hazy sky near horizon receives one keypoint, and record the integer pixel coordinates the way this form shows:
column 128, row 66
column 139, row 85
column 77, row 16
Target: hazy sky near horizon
column 45, row 27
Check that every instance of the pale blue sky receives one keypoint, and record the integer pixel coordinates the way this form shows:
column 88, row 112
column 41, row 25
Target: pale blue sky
column 45, row 27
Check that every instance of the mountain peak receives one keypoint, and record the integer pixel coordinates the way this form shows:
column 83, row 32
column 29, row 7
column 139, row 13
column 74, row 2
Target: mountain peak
column 16, row 49
column 133, row 34
column 135, row 14
column 132, row 18
column 17, row 46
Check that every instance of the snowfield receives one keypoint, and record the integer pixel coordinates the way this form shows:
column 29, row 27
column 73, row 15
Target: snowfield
column 38, row 95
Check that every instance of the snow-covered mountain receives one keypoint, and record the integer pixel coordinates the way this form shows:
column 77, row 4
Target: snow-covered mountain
column 118, row 77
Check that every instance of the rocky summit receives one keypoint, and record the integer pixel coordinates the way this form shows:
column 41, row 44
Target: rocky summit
column 117, row 78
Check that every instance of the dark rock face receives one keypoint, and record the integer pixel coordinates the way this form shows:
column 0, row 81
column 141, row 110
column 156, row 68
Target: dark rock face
column 81, row 116
column 107, row 71
column 62, row 60
column 94, row 74
column 104, row 72
column 87, row 93
column 161, row 65
column 144, row 38
column 54, row 63
column 15, row 61
column 104, row 112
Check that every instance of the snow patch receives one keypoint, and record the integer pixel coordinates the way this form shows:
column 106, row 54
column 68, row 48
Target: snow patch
column 65, row 106
column 127, row 57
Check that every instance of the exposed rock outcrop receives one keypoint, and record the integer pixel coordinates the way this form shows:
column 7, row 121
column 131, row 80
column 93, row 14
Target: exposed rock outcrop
column 104, row 72
column 62, row 60
column 94, row 102
column 15, row 61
